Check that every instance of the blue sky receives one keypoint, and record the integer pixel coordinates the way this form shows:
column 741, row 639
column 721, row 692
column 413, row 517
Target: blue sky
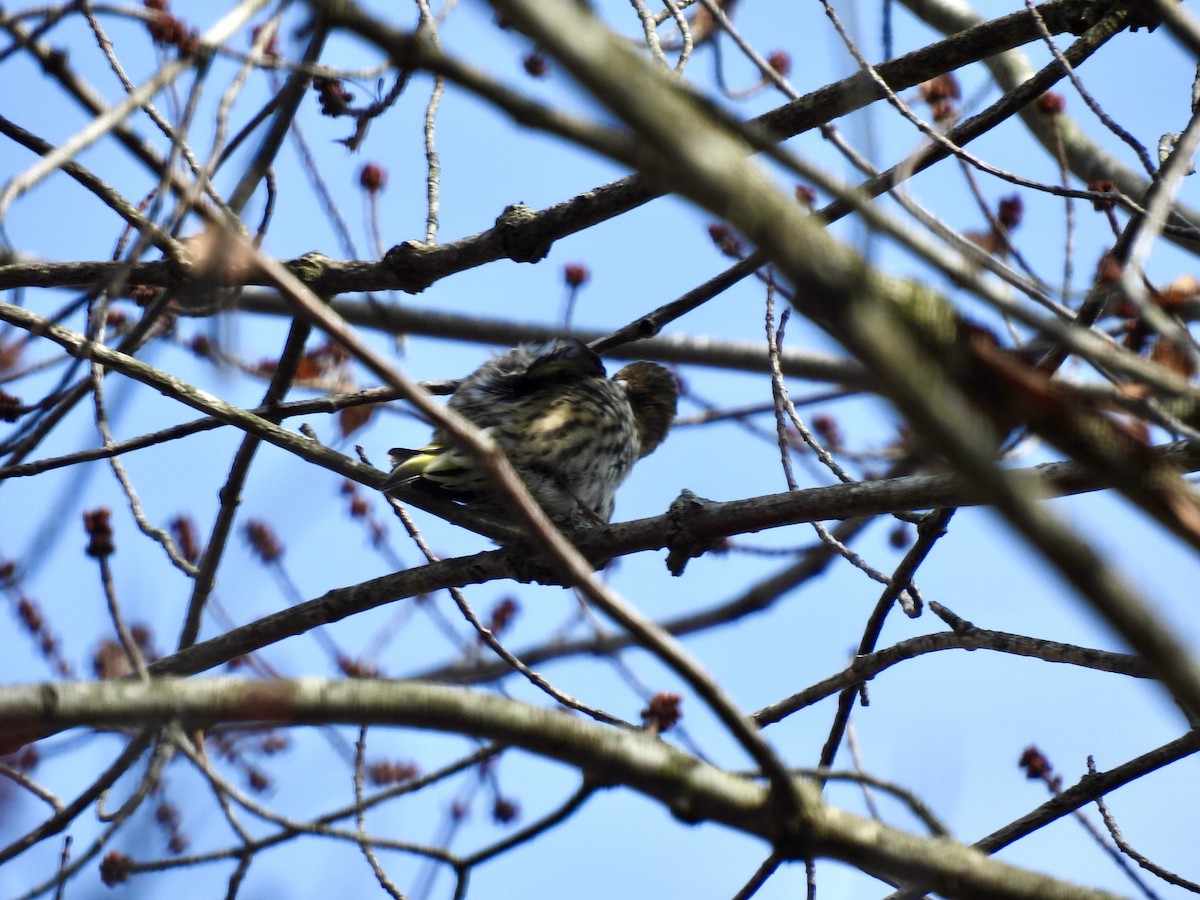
column 949, row 726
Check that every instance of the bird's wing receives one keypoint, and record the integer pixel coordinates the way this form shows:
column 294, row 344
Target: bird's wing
column 568, row 360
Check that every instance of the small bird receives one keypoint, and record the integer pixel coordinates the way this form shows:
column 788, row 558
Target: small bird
column 571, row 433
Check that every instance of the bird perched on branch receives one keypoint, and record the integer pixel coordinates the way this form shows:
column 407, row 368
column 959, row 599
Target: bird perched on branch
column 571, row 433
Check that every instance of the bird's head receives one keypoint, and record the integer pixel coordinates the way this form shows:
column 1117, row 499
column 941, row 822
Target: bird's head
column 652, row 392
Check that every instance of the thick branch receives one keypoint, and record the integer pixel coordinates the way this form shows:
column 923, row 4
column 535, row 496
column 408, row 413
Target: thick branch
column 891, row 325
column 691, row 789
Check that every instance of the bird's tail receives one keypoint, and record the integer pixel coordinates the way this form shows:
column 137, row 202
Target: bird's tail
column 438, row 467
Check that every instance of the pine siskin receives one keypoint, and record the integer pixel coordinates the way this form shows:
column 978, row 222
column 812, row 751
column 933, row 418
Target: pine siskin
column 571, row 433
